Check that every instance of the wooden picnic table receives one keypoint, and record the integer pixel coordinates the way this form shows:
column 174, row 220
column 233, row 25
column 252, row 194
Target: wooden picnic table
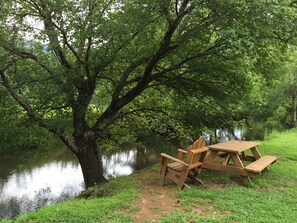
column 221, row 154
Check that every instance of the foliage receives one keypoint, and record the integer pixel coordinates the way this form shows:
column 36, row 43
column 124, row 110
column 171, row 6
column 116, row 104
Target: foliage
column 280, row 119
column 271, row 101
column 79, row 68
column 18, row 132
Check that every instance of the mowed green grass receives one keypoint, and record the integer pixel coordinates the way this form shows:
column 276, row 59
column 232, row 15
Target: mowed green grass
column 223, row 198
column 272, row 197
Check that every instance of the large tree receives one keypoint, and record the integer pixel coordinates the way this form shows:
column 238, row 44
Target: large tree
column 94, row 60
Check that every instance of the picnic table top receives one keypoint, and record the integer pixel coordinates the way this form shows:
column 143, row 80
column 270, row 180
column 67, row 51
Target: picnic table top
column 234, row 146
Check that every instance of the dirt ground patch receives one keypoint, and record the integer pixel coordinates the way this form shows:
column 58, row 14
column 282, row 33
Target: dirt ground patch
column 155, row 202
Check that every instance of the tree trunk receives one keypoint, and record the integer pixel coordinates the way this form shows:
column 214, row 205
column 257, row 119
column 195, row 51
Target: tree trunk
column 293, row 111
column 90, row 159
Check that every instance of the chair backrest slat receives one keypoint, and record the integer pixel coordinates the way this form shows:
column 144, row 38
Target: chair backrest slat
column 196, row 156
column 199, row 143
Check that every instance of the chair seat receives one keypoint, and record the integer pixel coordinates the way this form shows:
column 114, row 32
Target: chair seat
column 176, row 166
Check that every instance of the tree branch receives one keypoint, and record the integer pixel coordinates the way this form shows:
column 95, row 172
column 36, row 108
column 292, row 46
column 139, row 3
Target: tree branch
column 62, row 31
column 207, row 52
column 35, row 116
column 28, row 55
column 164, row 49
column 53, row 38
column 20, row 53
column 124, row 77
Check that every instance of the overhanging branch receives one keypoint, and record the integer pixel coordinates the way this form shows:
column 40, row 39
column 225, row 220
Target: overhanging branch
column 33, row 114
column 164, row 49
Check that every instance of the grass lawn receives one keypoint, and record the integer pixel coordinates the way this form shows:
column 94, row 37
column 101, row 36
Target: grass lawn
column 223, row 198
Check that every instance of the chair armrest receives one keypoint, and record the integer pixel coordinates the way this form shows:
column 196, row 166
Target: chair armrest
column 173, row 159
column 183, row 151
column 200, row 150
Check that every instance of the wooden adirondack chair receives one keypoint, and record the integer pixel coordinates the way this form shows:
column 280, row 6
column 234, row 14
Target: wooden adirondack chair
column 180, row 170
column 197, row 144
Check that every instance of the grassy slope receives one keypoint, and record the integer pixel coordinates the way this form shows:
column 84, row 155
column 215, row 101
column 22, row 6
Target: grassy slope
column 271, row 198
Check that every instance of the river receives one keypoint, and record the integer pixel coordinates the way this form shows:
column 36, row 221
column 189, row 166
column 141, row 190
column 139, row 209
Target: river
column 32, row 181
column 28, row 182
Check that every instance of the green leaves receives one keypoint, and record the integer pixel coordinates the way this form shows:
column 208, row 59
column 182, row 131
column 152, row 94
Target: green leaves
column 99, row 59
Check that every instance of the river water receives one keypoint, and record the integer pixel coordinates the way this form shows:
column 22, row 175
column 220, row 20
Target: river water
column 30, row 182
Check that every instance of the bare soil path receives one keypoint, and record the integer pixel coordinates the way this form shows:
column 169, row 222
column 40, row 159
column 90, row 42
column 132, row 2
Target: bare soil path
column 156, row 201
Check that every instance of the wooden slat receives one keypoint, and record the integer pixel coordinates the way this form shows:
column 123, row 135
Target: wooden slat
column 233, row 146
column 224, row 168
column 173, row 159
column 196, row 164
column 175, row 166
column 173, row 178
column 200, row 150
column 173, row 172
column 260, row 164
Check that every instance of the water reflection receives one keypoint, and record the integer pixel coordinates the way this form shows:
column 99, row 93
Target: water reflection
column 30, row 189
column 27, row 184
column 125, row 162
column 225, row 135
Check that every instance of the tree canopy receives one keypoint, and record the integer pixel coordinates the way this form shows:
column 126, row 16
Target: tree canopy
column 77, row 68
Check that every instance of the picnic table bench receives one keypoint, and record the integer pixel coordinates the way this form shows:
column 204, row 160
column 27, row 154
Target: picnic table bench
column 235, row 150
column 260, row 164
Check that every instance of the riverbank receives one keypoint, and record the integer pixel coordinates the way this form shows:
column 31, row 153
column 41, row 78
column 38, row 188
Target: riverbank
column 222, row 198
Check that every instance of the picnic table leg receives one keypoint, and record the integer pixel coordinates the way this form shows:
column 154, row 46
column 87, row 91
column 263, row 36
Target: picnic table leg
column 236, row 160
column 249, row 179
column 238, row 163
column 226, row 159
column 256, row 153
